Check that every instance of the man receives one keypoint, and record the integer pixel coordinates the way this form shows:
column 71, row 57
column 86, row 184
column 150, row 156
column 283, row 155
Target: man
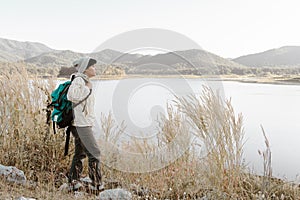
column 85, row 143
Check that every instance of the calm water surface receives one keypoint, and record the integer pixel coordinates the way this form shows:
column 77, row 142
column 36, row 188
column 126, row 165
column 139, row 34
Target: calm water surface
column 276, row 107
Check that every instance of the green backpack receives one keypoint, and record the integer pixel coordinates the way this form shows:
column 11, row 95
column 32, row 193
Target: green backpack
column 62, row 115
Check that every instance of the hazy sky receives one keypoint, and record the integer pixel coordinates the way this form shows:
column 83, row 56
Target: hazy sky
column 229, row 28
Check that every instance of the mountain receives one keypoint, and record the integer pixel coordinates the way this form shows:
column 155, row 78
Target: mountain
column 287, row 56
column 65, row 58
column 55, row 58
column 194, row 61
column 111, row 56
column 12, row 51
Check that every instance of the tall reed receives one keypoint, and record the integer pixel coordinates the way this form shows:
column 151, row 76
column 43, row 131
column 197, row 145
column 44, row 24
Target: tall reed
column 215, row 123
column 26, row 139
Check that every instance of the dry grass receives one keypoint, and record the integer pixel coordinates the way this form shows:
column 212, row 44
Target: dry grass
column 38, row 191
column 214, row 122
column 27, row 142
column 26, row 139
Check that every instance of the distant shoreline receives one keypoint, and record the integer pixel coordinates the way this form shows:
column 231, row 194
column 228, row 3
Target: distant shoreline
column 276, row 80
column 280, row 80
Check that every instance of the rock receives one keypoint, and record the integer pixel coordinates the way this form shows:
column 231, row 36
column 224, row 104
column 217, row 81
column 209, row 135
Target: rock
column 23, row 198
column 66, row 188
column 12, row 174
column 113, row 194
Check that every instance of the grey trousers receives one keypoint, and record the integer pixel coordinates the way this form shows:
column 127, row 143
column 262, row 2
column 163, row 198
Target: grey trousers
column 85, row 145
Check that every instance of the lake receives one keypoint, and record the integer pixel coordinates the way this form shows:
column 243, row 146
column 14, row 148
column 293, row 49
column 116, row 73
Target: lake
column 276, row 107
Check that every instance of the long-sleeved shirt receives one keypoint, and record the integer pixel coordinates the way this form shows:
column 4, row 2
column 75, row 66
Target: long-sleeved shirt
column 83, row 113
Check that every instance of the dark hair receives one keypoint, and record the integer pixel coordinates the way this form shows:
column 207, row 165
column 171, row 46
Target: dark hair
column 91, row 63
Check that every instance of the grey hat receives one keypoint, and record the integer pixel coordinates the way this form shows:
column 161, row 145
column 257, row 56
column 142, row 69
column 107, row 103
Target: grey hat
column 83, row 63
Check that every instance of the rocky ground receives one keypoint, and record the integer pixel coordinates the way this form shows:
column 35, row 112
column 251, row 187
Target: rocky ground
column 14, row 185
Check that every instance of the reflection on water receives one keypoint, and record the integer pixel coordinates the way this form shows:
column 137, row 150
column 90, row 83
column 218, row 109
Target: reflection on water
column 276, row 107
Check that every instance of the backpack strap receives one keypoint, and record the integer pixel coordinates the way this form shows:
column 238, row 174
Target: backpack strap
column 85, row 98
column 53, row 126
column 73, row 77
column 68, row 132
